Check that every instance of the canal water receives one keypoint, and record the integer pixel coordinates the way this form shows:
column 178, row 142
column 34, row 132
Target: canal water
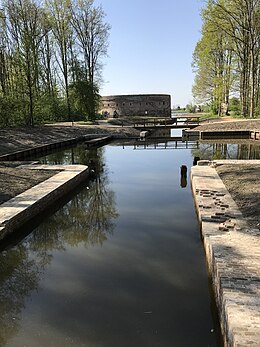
column 120, row 264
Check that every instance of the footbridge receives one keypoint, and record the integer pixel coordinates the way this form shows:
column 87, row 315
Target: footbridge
column 159, row 143
column 176, row 122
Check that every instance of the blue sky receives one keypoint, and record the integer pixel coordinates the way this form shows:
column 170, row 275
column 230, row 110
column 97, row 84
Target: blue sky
column 151, row 46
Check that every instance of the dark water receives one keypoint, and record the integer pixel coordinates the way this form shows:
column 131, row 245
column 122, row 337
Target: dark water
column 121, row 264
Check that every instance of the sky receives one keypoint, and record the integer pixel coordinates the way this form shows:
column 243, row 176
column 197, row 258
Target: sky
column 150, row 47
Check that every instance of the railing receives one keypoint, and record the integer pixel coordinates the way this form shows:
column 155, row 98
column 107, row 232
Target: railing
column 178, row 121
column 167, row 145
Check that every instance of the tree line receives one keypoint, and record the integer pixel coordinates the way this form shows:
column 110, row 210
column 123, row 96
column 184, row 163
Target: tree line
column 50, row 60
column 226, row 60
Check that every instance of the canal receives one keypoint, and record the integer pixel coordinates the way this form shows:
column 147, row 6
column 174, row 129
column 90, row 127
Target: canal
column 120, row 264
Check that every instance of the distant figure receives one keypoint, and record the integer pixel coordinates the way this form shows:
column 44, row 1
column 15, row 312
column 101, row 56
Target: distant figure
column 183, row 176
column 195, row 160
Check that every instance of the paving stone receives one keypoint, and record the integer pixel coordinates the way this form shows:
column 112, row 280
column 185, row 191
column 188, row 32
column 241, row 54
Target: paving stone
column 233, row 255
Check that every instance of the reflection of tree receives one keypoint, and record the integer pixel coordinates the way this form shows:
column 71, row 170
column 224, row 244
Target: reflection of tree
column 100, row 211
column 74, row 155
column 214, row 151
column 19, row 276
column 94, row 209
column 248, row 151
column 87, row 219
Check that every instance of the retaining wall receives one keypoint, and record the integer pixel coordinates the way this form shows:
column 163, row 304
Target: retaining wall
column 15, row 212
column 233, row 255
column 92, row 140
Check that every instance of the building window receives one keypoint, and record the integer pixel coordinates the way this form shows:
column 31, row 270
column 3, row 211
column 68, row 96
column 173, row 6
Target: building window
column 163, row 102
column 123, row 104
column 130, row 104
column 108, row 105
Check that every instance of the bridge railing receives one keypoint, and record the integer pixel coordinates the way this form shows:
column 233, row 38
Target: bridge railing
column 167, row 122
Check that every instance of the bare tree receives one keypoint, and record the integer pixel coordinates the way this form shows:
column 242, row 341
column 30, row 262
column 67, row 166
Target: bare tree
column 59, row 11
column 25, row 18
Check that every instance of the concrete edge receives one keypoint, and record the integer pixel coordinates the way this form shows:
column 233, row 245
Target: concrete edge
column 20, row 209
column 232, row 252
column 92, row 139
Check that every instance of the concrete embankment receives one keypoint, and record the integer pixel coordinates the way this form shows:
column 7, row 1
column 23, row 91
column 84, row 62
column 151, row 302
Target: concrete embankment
column 233, row 256
column 15, row 212
column 89, row 140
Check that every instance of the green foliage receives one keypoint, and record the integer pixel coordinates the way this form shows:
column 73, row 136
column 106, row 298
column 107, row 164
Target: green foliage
column 191, row 108
column 226, row 59
column 41, row 50
column 84, row 95
column 50, row 109
column 234, row 106
column 11, row 112
column 84, row 99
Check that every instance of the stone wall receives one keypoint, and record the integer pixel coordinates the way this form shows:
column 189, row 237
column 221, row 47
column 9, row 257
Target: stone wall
column 136, row 105
column 232, row 253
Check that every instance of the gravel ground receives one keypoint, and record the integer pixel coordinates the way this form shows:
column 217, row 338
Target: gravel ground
column 14, row 180
column 243, row 183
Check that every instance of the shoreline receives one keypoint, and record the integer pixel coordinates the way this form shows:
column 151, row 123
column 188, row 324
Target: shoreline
column 230, row 238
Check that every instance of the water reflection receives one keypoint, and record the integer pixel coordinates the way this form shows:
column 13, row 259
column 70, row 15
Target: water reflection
column 92, row 210
column 217, row 151
column 145, row 286
column 20, row 274
column 85, row 221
